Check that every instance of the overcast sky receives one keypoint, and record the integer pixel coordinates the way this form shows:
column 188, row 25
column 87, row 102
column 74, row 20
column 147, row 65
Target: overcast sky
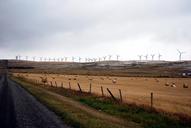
column 95, row 28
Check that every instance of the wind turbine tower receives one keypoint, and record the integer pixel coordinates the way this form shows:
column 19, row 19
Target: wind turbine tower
column 89, row 60
column 99, row 59
column 104, row 58
column 86, row 59
column 34, row 58
column 152, row 56
column 26, row 58
column 110, row 56
column 180, row 54
column 80, row 59
column 140, row 57
column 40, row 58
column 17, row 57
column 117, row 57
column 73, row 58
column 159, row 56
column 65, row 58
column 146, row 57
column 94, row 59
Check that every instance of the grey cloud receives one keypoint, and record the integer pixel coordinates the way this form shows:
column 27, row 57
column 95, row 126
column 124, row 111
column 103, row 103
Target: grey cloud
column 28, row 24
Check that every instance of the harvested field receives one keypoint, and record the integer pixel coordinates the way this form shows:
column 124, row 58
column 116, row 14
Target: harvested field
column 169, row 93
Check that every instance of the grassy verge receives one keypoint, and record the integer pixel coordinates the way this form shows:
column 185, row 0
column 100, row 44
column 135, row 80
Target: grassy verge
column 139, row 114
column 142, row 115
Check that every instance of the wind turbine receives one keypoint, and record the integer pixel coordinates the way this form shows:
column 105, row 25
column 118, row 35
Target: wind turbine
column 104, row 58
column 152, row 56
column 159, row 56
column 16, row 57
column 73, row 58
column 40, row 58
column 109, row 57
column 140, row 57
column 146, row 57
column 95, row 59
column 33, row 58
column 19, row 57
column 65, row 58
column 180, row 54
column 80, row 59
column 86, row 59
column 99, row 59
column 117, row 57
column 26, row 58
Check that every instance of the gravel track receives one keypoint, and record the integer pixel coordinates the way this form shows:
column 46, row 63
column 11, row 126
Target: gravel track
column 19, row 109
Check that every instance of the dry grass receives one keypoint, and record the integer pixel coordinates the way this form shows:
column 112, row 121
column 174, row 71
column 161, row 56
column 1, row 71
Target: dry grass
column 134, row 89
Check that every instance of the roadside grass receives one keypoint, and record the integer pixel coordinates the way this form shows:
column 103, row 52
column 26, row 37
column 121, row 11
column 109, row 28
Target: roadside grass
column 69, row 114
column 131, row 112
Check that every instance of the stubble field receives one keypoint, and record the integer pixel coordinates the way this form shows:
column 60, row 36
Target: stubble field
column 134, row 89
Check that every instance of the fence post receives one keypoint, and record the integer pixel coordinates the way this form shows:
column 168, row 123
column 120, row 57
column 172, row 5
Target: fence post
column 56, row 83
column 69, row 85
column 151, row 100
column 90, row 91
column 102, row 91
column 121, row 98
column 111, row 95
column 62, row 85
column 79, row 87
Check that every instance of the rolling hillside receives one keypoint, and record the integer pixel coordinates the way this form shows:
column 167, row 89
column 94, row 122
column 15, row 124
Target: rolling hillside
column 112, row 68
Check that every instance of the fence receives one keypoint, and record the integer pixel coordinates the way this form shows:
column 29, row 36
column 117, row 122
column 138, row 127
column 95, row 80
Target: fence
column 104, row 92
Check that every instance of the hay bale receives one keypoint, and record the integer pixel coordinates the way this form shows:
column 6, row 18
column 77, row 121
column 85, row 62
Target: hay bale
column 173, row 85
column 167, row 84
column 114, row 81
column 185, row 85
